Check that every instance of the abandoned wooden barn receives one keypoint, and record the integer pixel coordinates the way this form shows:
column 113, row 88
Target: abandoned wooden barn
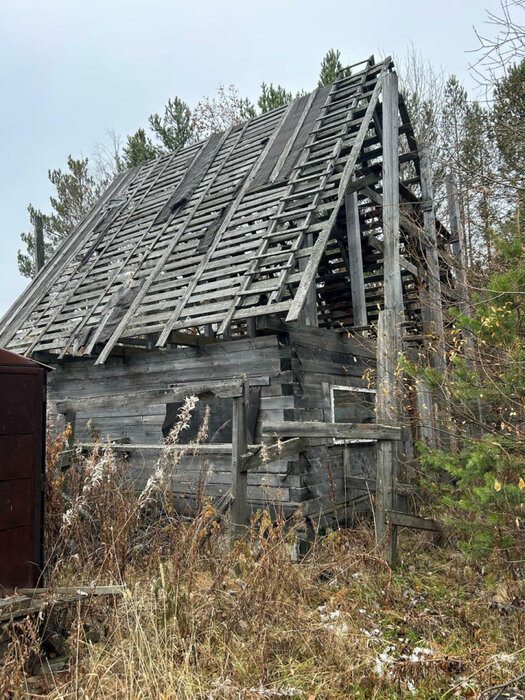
column 270, row 251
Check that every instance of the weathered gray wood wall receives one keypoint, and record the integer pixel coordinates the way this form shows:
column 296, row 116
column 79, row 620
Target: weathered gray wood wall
column 294, row 369
column 321, row 358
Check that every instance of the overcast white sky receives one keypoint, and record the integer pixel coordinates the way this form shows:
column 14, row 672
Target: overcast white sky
column 72, row 69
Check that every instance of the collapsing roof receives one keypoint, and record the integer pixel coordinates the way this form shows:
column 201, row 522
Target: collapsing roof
column 224, row 230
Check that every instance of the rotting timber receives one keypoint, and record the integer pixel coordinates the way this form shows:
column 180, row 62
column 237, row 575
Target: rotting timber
column 254, row 269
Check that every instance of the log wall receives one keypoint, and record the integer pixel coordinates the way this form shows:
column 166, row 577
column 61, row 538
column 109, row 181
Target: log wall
column 293, row 369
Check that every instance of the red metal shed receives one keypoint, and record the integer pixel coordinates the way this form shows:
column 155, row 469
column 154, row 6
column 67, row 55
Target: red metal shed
column 22, row 459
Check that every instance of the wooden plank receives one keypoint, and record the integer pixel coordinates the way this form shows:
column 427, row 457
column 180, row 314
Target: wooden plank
column 386, row 410
column 39, row 243
column 342, row 431
column 355, row 260
column 318, row 337
column 362, row 483
column 79, row 591
column 393, row 289
column 272, row 453
column 238, row 508
column 162, row 396
column 191, row 449
column 413, row 521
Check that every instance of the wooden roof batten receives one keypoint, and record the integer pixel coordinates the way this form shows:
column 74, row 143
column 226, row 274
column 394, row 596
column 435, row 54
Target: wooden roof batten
column 228, row 229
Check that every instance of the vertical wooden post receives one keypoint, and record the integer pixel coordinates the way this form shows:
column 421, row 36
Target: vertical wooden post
column 388, row 335
column 391, row 267
column 346, row 473
column 387, row 414
column 39, row 243
column 251, row 327
column 308, row 314
column 355, row 260
column 239, row 473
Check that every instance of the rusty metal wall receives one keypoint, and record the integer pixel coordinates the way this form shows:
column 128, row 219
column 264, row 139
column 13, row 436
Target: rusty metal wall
column 22, row 454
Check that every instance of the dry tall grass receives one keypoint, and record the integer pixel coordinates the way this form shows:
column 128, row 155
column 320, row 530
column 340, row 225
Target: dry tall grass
column 201, row 620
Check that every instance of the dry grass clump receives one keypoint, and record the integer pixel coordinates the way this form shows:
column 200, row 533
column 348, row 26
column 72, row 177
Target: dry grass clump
column 202, row 620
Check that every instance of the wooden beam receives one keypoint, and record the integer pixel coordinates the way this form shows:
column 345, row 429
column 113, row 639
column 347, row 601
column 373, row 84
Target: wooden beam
column 239, row 503
column 308, row 314
column 223, row 389
column 39, row 243
column 361, row 483
column 358, row 183
column 217, row 448
column 391, row 267
column 273, row 453
column 341, row 431
column 457, row 241
column 413, row 521
column 355, row 260
column 192, row 339
column 386, row 410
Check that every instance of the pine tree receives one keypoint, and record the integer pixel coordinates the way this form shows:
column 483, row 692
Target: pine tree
column 273, row 97
column 174, row 128
column 76, row 191
column 330, row 67
column 477, row 162
column 508, row 121
column 138, row 149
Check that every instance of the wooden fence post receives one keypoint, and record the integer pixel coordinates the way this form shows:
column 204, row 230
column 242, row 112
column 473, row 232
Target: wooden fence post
column 239, row 474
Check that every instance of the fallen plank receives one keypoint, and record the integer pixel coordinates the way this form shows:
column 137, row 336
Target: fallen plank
column 33, row 600
column 79, row 591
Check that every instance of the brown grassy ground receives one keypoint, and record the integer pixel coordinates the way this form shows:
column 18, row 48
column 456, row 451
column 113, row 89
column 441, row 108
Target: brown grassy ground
column 201, row 620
